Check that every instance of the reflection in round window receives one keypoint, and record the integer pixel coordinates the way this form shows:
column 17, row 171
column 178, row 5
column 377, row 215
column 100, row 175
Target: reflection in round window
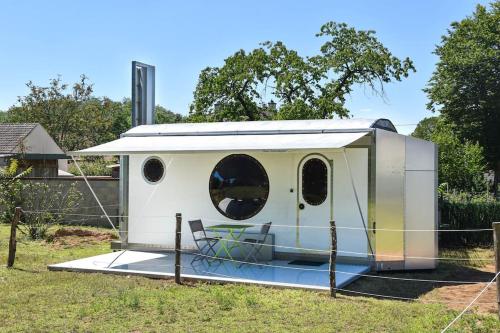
column 239, row 186
column 153, row 170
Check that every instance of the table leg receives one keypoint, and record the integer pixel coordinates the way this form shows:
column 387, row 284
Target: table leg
column 235, row 240
column 223, row 246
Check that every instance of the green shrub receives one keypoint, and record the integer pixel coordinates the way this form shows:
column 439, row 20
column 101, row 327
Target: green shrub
column 46, row 205
column 92, row 167
column 467, row 211
column 43, row 204
column 11, row 189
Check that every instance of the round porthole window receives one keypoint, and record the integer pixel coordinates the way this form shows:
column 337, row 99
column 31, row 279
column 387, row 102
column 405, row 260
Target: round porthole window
column 239, row 186
column 153, row 170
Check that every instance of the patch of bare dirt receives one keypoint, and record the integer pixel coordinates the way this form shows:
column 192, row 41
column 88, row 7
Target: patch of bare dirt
column 459, row 296
column 68, row 237
column 453, row 295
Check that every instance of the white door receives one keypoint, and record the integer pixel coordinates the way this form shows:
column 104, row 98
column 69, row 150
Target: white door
column 314, row 202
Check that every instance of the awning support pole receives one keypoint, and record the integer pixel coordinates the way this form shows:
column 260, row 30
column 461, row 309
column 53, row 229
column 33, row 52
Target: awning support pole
column 357, row 202
column 95, row 196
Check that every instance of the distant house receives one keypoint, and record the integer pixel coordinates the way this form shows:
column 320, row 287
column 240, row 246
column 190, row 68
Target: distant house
column 33, row 147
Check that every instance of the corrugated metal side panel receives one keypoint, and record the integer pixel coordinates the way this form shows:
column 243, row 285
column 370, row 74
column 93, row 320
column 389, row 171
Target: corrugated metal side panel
column 390, row 169
column 420, row 203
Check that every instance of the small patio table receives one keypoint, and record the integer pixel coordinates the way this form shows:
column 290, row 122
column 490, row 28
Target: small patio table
column 233, row 235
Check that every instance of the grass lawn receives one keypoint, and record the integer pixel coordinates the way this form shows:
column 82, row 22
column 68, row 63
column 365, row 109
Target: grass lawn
column 36, row 300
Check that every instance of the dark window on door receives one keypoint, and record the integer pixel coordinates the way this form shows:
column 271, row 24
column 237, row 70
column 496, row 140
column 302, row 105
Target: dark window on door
column 314, row 181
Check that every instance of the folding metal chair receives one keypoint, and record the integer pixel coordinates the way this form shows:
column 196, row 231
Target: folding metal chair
column 204, row 243
column 257, row 243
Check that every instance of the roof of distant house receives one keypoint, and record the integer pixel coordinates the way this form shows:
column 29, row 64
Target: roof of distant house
column 12, row 135
column 29, row 139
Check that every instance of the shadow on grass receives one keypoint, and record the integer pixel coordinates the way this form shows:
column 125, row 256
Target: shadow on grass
column 415, row 289
column 472, row 269
column 26, row 270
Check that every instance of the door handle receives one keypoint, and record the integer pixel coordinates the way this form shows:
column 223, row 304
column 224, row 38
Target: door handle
column 301, row 206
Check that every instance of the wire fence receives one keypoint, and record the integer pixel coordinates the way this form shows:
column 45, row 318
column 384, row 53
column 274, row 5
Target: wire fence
column 279, row 246
column 168, row 236
column 257, row 223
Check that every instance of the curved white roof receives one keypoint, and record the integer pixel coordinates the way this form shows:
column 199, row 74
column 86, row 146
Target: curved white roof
column 213, row 143
column 258, row 127
column 240, row 136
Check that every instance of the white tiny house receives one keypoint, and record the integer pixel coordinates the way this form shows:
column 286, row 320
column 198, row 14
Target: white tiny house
column 377, row 185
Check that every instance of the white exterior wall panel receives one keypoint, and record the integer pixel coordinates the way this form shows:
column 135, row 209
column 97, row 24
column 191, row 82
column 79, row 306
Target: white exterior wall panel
column 184, row 189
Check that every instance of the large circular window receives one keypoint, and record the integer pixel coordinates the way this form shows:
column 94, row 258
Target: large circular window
column 153, row 170
column 239, row 186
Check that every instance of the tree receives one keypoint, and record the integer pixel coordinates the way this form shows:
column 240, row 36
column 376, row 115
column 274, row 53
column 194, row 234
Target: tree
column 231, row 92
column 354, row 57
column 461, row 164
column 77, row 119
column 465, row 86
column 247, row 85
column 426, row 128
column 164, row 116
column 3, row 117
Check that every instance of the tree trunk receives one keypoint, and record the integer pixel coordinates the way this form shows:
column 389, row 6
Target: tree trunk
column 247, row 111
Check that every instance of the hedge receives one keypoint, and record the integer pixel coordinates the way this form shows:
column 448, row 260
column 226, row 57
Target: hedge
column 467, row 211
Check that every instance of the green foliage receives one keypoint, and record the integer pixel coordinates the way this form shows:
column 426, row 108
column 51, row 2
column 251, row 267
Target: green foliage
column 304, row 88
column 3, row 117
column 11, row 189
column 465, row 87
column 51, row 202
column 461, row 165
column 92, row 166
column 426, row 128
column 74, row 117
column 164, row 116
column 460, row 210
column 355, row 57
column 231, row 91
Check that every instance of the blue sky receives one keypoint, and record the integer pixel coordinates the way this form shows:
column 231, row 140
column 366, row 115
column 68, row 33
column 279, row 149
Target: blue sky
column 41, row 39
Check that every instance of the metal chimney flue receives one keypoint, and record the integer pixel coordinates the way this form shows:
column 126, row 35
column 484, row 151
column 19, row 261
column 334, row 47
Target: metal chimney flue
column 143, row 94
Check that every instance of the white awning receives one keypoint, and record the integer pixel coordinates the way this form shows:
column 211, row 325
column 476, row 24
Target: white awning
column 211, row 143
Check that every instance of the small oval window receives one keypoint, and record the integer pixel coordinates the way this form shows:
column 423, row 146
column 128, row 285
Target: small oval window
column 153, row 170
column 314, row 181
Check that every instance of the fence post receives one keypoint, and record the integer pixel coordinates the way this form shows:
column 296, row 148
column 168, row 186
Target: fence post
column 12, row 239
column 178, row 233
column 333, row 258
column 496, row 238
